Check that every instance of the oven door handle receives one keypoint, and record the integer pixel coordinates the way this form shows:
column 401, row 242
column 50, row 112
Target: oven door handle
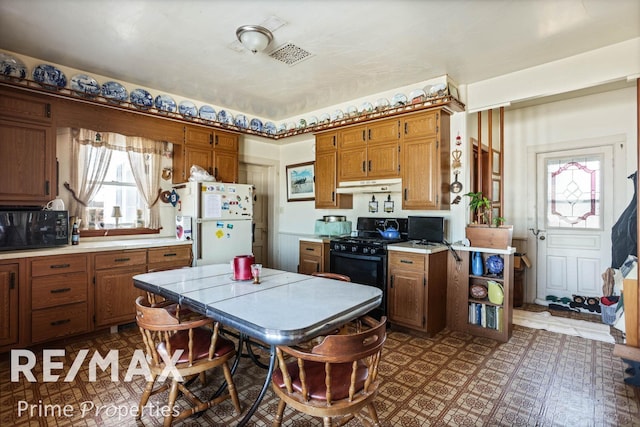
column 358, row 256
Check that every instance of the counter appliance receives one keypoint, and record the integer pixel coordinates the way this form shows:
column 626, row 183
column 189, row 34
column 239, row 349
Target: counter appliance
column 31, row 229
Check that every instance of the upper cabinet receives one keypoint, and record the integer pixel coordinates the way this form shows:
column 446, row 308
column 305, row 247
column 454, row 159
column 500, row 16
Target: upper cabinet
column 326, row 174
column 27, row 144
column 369, row 151
column 214, row 151
column 426, row 161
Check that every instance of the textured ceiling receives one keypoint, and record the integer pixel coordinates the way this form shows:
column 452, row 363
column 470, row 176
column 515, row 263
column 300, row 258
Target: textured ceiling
column 359, row 47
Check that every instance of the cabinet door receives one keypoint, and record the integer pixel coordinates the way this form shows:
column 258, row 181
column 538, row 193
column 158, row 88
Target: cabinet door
column 311, row 257
column 226, row 141
column 325, row 170
column 24, row 107
column 420, row 174
column 226, row 166
column 406, row 297
column 382, row 160
column 115, row 295
column 198, row 137
column 326, row 142
column 202, row 157
column 27, row 175
column 421, row 125
column 352, row 164
column 166, row 258
column 354, row 137
column 384, row 131
column 8, row 304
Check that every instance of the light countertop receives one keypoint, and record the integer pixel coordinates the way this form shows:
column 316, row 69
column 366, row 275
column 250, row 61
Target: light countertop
column 95, row 246
column 415, row 247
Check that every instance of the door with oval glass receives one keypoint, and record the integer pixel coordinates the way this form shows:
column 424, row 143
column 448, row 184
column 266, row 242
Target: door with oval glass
column 574, row 220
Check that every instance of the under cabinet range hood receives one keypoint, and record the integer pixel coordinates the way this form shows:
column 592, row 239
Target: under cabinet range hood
column 392, row 185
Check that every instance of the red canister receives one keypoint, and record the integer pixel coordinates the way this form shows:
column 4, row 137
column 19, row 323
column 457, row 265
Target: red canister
column 242, row 267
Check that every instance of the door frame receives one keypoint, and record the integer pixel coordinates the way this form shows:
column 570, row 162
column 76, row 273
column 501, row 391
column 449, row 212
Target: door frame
column 618, row 144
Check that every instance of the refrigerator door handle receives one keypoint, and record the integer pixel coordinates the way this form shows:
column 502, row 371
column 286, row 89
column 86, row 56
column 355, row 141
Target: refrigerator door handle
column 199, row 241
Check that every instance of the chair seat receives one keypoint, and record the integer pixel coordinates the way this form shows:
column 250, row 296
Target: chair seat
column 201, row 342
column 316, row 378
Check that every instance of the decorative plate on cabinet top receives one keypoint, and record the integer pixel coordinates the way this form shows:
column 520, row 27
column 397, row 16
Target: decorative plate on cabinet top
column 114, row 92
column 324, row 118
column 225, row 118
column 256, row 125
column 241, row 121
column 270, row 128
column 382, row 104
column 165, row 103
column 85, row 86
column 302, row 124
column 206, row 112
column 366, row 108
column 282, row 127
column 49, row 76
column 313, row 121
column 337, row 115
column 12, row 67
column 187, row 109
column 398, row 100
column 438, row 90
column 352, row 111
column 291, row 126
column 417, row 96
column 141, row 99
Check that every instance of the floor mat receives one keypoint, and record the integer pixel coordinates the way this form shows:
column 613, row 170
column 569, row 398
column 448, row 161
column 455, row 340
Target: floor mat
column 563, row 325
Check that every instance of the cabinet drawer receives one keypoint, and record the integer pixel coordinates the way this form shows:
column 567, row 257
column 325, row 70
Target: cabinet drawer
column 58, row 265
column 173, row 255
column 407, row 261
column 311, row 249
column 57, row 322
column 120, row 259
column 58, row 290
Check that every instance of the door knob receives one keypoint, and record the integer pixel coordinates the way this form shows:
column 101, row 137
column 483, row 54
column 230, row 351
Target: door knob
column 542, row 237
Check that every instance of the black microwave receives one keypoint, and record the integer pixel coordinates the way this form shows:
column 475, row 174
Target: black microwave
column 31, row 229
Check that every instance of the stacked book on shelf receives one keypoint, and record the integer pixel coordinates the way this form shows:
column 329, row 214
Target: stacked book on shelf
column 486, row 315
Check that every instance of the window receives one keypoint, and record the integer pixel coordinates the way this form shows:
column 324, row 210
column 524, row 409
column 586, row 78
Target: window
column 117, row 195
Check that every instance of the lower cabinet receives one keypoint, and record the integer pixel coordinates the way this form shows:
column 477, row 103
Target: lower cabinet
column 417, row 290
column 9, row 309
column 314, row 257
column 114, row 291
column 59, row 296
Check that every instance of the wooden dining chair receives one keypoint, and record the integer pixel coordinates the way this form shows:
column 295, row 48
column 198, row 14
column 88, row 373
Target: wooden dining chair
column 335, row 276
column 164, row 331
column 336, row 378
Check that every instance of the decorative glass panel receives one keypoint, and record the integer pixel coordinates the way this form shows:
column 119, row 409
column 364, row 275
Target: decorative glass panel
column 574, row 193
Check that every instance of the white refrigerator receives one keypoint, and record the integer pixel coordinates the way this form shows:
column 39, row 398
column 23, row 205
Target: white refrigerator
column 217, row 217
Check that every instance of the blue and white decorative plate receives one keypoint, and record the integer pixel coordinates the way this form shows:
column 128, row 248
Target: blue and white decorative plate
column 49, row 76
column 270, row 128
column 282, row 127
column 165, row 103
column 352, row 111
column 141, row 99
column 302, row 124
column 324, row 118
column 313, row 121
column 241, row 121
column 366, row 108
column 207, row 112
column 84, row 85
column 438, row 90
column 187, row 109
column 337, row 115
column 398, row 100
column 12, row 67
column 382, row 104
column 115, row 92
column 256, row 124
column 417, row 95
column 225, row 118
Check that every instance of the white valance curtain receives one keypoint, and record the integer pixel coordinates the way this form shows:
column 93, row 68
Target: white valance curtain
column 91, row 152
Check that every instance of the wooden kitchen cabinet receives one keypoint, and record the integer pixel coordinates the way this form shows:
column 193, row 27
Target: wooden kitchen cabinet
column 314, row 257
column 326, row 171
column 468, row 314
column 9, row 308
column 426, row 161
column 214, row 151
column 114, row 291
column 59, row 302
column 27, row 144
column 369, row 151
column 417, row 290
column 169, row 257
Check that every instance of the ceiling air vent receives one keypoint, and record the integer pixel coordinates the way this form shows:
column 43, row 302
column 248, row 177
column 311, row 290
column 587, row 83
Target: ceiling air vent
column 290, row 54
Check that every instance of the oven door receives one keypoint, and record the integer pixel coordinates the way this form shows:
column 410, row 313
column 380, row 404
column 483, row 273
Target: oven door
column 363, row 269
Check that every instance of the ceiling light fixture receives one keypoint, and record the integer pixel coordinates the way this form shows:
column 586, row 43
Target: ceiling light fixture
column 254, row 37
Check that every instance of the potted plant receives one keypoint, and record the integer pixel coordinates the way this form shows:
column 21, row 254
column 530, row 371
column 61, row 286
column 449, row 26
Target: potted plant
column 487, row 231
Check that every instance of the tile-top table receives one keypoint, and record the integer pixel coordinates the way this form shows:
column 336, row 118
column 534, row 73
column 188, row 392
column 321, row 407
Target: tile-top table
column 285, row 308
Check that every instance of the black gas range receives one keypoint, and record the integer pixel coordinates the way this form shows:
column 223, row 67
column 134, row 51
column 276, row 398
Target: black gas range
column 363, row 257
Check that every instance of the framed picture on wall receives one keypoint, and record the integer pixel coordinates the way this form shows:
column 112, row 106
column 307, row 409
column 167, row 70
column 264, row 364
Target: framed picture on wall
column 300, row 182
